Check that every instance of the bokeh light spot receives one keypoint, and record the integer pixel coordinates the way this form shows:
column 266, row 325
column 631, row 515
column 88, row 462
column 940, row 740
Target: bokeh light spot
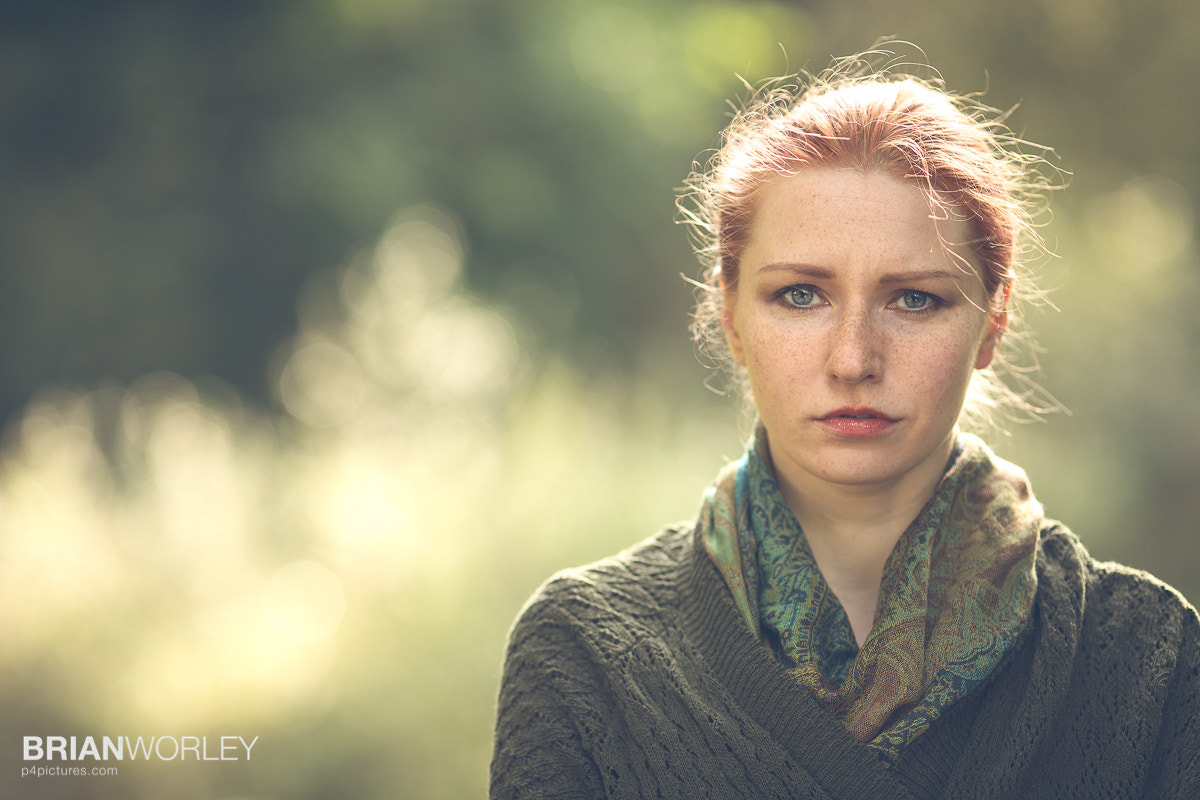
column 725, row 40
column 303, row 602
column 419, row 257
column 1145, row 225
column 321, row 384
column 614, row 49
column 466, row 350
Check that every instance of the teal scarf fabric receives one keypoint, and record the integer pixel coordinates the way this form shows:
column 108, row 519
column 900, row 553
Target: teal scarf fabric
column 956, row 592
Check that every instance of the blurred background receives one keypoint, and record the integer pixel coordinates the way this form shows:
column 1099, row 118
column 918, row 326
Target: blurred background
column 332, row 327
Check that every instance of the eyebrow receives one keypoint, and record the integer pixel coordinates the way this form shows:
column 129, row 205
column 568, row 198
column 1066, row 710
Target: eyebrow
column 919, row 275
column 811, row 270
column 826, row 274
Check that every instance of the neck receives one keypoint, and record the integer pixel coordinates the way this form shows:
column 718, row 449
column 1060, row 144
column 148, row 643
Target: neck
column 852, row 530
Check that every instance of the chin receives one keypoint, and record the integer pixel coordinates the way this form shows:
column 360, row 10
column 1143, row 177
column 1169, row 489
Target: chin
column 856, row 465
column 862, row 475
column 858, row 469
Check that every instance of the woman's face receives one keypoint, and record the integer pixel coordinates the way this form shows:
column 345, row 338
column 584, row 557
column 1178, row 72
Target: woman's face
column 858, row 328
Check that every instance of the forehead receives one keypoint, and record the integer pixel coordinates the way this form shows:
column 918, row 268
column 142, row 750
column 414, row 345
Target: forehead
column 847, row 217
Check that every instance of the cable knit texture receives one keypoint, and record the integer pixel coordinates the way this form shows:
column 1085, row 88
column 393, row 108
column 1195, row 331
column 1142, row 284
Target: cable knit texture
column 636, row 677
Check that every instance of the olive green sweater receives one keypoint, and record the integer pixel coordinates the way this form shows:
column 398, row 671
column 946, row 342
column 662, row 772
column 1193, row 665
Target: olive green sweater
column 636, row 678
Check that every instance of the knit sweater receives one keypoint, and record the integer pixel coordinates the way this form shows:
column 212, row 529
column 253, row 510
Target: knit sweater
column 636, row 677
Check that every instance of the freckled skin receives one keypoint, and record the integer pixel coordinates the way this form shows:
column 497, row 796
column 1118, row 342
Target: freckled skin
column 859, row 328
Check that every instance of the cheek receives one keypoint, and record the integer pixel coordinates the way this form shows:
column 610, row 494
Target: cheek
column 779, row 365
column 943, row 365
column 778, row 350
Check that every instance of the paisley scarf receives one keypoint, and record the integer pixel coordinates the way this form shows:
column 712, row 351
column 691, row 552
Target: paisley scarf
column 956, row 592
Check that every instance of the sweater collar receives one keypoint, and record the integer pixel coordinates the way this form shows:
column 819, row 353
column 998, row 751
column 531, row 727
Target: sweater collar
column 956, row 592
column 1024, row 694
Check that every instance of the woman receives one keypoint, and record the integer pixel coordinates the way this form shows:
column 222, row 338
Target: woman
column 870, row 604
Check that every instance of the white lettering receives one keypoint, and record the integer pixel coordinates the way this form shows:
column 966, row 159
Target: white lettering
column 90, row 749
column 248, row 746
column 118, row 749
column 56, row 744
column 206, row 756
column 133, row 748
column 96, row 748
column 33, row 748
column 158, row 748
column 195, row 747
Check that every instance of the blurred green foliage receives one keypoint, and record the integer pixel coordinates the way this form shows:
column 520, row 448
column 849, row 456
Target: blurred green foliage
column 335, row 326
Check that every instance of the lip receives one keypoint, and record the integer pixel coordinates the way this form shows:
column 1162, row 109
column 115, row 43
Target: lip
column 857, row 422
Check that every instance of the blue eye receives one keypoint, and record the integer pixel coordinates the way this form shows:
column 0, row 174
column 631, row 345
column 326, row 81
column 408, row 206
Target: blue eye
column 915, row 301
column 800, row 296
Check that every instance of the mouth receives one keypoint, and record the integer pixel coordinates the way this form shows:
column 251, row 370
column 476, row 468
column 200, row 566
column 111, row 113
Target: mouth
column 858, row 413
column 857, row 423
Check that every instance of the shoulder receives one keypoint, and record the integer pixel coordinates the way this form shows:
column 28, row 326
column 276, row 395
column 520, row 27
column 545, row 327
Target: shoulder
column 1140, row 598
column 629, row 578
column 569, row 663
column 611, row 604
column 1113, row 597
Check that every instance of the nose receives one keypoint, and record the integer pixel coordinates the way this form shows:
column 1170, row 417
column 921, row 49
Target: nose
column 854, row 353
